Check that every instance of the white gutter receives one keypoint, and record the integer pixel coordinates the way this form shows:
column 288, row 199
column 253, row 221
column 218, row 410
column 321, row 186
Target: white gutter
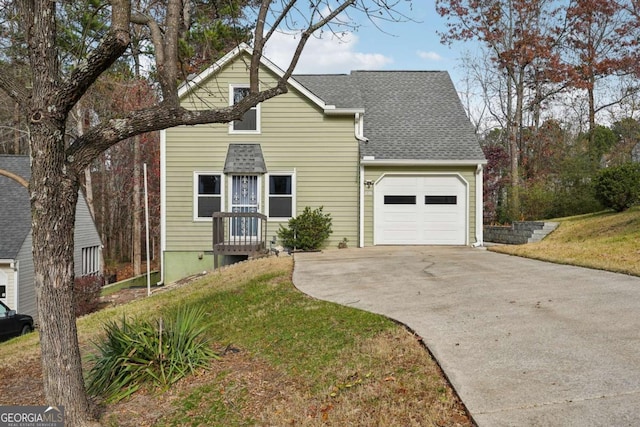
column 332, row 110
column 411, row 162
column 163, row 200
column 479, row 206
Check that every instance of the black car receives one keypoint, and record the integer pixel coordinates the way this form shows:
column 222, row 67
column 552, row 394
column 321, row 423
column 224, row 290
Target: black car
column 13, row 324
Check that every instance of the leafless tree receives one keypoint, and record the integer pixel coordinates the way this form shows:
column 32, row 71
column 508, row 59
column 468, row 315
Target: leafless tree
column 58, row 164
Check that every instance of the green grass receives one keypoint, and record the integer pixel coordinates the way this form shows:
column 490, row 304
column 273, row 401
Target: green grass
column 287, row 328
column 285, row 359
column 294, row 360
column 604, row 240
column 134, row 282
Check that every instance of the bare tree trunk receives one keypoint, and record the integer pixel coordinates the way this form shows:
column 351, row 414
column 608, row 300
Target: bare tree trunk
column 54, row 198
column 512, row 134
column 16, row 129
column 592, row 113
column 88, row 187
column 88, row 182
column 137, row 228
column 54, row 190
column 56, row 167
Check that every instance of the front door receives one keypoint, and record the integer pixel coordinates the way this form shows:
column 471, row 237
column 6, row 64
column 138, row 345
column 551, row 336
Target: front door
column 245, row 197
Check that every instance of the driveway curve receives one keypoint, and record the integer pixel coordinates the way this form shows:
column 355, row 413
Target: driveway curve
column 523, row 342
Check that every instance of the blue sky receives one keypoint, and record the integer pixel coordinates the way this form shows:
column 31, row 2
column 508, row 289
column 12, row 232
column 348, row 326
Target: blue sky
column 412, row 45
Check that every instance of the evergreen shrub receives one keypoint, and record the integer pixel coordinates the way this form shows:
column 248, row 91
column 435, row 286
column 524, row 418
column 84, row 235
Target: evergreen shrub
column 308, row 231
column 618, row 187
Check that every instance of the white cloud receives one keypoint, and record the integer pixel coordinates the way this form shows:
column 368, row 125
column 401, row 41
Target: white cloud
column 326, row 55
column 432, row 56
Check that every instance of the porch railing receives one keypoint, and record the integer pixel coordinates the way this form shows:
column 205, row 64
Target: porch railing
column 238, row 233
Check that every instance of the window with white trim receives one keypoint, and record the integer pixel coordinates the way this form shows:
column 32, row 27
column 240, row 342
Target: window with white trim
column 208, row 195
column 281, row 195
column 4, row 282
column 250, row 122
column 90, row 260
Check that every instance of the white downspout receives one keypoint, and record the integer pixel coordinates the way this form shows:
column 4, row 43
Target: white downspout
column 479, row 206
column 360, row 138
column 16, row 288
column 163, row 201
column 361, row 215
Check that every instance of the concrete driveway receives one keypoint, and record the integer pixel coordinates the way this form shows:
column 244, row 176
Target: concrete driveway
column 524, row 342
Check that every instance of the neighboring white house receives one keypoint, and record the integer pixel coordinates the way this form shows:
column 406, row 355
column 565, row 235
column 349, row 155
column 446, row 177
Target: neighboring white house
column 17, row 288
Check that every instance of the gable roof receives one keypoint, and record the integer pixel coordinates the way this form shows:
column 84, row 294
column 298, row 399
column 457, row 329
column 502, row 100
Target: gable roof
column 244, row 158
column 408, row 115
column 15, row 215
column 194, row 82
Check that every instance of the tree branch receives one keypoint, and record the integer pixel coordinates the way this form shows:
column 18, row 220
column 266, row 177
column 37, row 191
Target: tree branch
column 13, row 88
column 98, row 61
column 309, row 31
column 162, row 116
column 165, row 44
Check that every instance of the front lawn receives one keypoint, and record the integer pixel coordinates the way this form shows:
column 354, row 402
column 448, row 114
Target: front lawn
column 286, row 359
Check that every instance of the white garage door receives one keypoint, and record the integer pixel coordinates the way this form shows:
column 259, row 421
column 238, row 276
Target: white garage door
column 420, row 210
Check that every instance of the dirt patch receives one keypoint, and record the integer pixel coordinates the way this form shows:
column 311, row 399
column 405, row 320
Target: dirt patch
column 22, row 384
column 122, row 297
column 234, row 374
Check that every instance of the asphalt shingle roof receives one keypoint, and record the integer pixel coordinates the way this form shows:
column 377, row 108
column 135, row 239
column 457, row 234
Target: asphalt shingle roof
column 340, row 90
column 245, row 158
column 409, row 115
column 15, row 210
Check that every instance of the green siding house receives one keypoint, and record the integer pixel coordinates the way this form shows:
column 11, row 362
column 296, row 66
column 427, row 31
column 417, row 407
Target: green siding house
column 391, row 155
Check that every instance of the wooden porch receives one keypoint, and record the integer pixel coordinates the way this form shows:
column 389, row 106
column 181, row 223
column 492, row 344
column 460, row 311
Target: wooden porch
column 239, row 233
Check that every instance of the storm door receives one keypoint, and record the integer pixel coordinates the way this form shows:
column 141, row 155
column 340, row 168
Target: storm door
column 245, row 197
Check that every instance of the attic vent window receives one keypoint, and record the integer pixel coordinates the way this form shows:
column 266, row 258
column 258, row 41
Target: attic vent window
column 250, row 122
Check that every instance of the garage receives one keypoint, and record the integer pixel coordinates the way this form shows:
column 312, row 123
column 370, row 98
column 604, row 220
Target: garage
column 421, row 210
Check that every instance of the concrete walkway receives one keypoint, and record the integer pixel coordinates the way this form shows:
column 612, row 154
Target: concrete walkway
column 523, row 342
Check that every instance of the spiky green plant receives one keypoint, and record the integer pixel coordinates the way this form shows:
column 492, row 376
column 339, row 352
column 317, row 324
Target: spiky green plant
column 138, row 352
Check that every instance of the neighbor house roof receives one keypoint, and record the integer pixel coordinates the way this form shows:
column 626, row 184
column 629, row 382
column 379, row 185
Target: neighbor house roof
column 15, row 211
column 408, row 115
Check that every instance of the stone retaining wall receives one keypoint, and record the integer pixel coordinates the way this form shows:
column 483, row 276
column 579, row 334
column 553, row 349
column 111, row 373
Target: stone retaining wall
column 518, row 233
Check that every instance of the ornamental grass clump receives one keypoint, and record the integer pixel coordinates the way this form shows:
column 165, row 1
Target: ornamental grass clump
column 141, row 352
